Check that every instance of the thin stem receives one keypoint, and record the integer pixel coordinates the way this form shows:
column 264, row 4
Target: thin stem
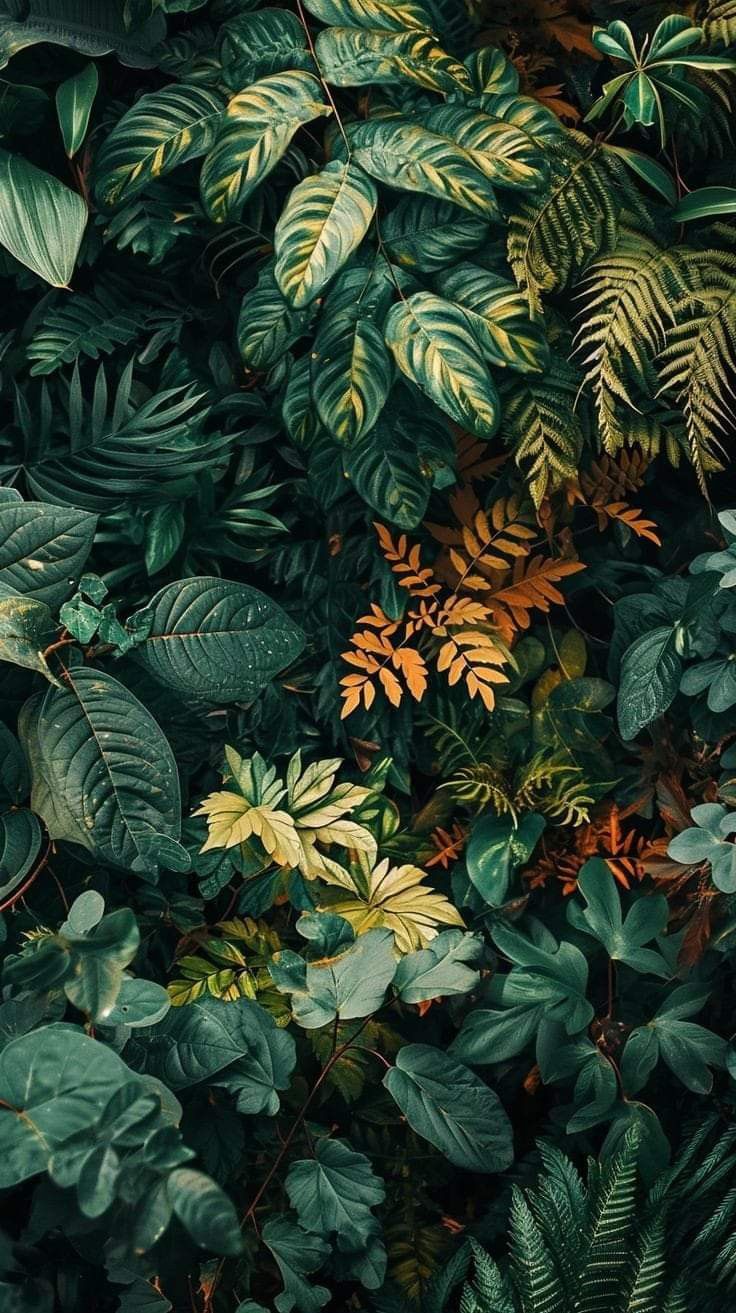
column 16, row 897
column 327, row 91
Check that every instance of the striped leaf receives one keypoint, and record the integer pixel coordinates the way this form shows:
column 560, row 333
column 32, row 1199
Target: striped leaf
column 325, row 219
column 386, row 472
column 42, row 221
column 434, row 345
column 383, row 14
column 267, row 324
column 255, row 45
column 254, row 134
column 351, row 374
column 507, row 156
column 424, row 234
column 162, row 130
column 410, row 157
column 351, row 57
column 499, row 315
column 529, row 116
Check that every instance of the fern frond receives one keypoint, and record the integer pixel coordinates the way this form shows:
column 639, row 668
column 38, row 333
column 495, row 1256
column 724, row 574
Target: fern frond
column 645, row 1292
column 697, row 364
column 612, row 1222
column 531, row 1262
column 488, row 1292
column 552, row 237
column 482, row 786
column 459, row 734
column 627, row 308
column 542, row 427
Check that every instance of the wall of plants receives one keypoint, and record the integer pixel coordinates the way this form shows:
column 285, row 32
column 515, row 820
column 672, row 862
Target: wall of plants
column 367, row 656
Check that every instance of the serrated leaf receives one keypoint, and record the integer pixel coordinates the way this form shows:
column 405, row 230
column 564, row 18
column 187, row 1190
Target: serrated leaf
column 161, row 131
column 254, row 134
column 216, row 639
column 324, row 220
column 447, row 1104
column 333, row 1192
column 434, row 346
column 650, row 677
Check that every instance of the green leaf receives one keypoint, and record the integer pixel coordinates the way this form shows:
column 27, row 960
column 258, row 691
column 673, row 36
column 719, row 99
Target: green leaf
column 214, row 639
column 546, row 976
column 205, row 1211
column 139, row 1003
column 103, row 774
column 387, row 15
column 42, row 221
column 26, row 629
column 333, row 1192
column 161, row 131
column 424, row 234
column 498, row 846
column 324, row 220
column 351, row 985
column 499, row 315
column 91, row 27
column 254, row 134
column 704, row 203
column 689, row 1050
column 450, row 1106
column 100, row 956
column 74, row 101
column 43, row 549
column 440, row 970
column 623, row 940
column 351, row 369
column 507, row 156
column 252, row 46
column 20, row 844
column 267, row 324
column 297, row 1254
column 386, row 472
column 353, row 57
column 232, row 1044
column 650, row 677
column 434, row 345
column 408, row 156
column 652, row 173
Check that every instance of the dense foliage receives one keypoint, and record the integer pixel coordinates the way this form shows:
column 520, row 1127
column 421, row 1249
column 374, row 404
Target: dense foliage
column 367, row 616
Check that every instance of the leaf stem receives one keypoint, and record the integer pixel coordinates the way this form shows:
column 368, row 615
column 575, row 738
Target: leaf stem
column 16, row 897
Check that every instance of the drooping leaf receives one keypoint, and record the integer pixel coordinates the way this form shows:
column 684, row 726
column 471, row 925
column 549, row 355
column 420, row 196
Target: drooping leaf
column 407, row 156
column 333, row 1192
column 352, row 57
column 324, row 220
column 297, row 1255
column 254, row 45
column 43, row 549
column 382, row 14
column 254, row 134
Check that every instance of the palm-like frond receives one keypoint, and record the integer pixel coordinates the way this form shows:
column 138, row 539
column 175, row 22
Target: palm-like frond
column 541, row 425
column 82, row 326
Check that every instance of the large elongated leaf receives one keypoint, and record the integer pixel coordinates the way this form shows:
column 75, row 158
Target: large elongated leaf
column 352, row 373
column 43, row 549
column 162, row 130
column 98, row 754
column 450, row 1106
column 506, row 155
column 219, row 640
column 499, row 315
column 254, row 134
column 405, row 155
column 267, row 324
column 91, row 27
column 74, row 100
column 425, row 234
column 386, row 470
column 253, row 46
column 433, row 344
column 324, row 220
column 42, row 221
column 20, row 844
column 352, row 57
column 382, row 14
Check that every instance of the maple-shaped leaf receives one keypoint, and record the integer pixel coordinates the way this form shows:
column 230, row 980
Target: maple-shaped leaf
column 397, row 898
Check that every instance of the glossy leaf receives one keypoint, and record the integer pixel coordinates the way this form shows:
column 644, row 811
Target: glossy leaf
column 42, row 221
column 74, row 101
column 323, row 222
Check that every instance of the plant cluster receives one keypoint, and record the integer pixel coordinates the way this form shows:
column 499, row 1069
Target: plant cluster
column 368, row 656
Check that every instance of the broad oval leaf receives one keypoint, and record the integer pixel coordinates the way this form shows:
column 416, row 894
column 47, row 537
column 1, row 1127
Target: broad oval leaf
column 205, row 1210
column 426, row 234
column 324, row 220
column 254, row 133
column 26, row 629
column 383, row 14
column 20, row 844
column 499, row 315
column 215, row 639
column 650, row 678
column 102, row 757
column 447, row 1104
column 352, row 373
column 406, row 155
column 333, row 1192
column 42, row 221
column 43, row 549
column 353, row 57
column 386, row 472
column 162, row 130
column 90, row 27
column 434, row 345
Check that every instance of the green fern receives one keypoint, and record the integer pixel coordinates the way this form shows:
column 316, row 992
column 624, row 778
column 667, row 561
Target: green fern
column 82, row 326
column 552, row 238
column 718, row 20
column 697, row 364
column 542, row 426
